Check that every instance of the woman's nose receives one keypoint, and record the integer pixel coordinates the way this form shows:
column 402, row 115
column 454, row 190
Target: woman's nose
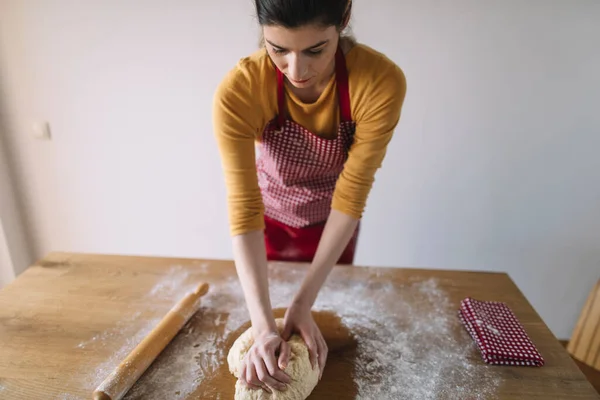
column 296, row 68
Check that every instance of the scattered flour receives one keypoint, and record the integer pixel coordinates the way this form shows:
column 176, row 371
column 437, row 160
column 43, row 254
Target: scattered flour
column 103, row 338
column 102, row 371
column 131, row 331
column 171, row 284
column 416, row 349
column 198, row 351
column 411, row 351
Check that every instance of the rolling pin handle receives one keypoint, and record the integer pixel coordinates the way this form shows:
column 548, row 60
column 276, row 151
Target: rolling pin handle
column 99, row 395
column 202, row 289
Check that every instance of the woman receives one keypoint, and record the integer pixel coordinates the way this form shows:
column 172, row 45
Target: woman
column 322, row 110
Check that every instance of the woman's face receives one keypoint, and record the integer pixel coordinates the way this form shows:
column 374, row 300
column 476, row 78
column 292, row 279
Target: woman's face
column 305, row 55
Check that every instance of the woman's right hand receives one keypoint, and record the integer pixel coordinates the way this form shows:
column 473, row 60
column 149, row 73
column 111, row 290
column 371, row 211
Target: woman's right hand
column 263, row 366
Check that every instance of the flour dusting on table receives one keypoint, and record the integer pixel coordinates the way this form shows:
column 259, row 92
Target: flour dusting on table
column 410, row 351
column 170, row 287
column 197, row 352
column 414, row 350
column 171, row 284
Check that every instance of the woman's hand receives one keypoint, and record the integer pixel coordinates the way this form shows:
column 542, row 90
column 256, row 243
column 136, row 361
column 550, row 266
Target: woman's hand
column 264, row 363
column 298, row 319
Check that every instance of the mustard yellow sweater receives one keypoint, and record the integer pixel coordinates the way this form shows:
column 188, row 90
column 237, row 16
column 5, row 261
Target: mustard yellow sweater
column 246, row 100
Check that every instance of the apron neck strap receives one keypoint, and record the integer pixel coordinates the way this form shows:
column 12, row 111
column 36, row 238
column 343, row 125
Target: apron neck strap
column 341, row 77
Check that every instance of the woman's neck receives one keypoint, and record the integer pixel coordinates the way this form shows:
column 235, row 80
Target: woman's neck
column 311, row 94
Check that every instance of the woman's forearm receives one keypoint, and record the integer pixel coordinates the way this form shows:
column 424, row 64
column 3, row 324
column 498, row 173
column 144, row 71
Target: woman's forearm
column 251, row 264
column 337, row 233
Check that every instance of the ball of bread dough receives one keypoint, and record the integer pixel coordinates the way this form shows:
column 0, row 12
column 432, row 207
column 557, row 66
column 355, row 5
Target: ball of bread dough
column 303, row 377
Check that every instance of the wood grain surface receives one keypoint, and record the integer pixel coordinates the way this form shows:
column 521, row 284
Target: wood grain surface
column 71, row 317
column 585, row 341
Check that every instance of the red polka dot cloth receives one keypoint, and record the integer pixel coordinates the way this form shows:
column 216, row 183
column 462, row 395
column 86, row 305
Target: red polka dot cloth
column 501, row 338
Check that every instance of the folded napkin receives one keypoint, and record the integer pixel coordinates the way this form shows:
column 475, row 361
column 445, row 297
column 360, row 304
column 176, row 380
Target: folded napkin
column 499, row 335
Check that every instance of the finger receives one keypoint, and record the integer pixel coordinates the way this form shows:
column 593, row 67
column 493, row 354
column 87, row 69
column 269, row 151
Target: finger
column 273, row 369
column 266, row 389
column 312, row 350
column 287, row 331
column 251, row 386
column 284, row 354
column 263, row 375
column 323, row 351
column 242, row 378
column 251, row 376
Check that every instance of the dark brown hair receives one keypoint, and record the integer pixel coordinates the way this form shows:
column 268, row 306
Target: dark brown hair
column 297, row 13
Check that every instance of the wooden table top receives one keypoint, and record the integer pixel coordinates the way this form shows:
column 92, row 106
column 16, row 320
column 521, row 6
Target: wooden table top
column 68, row 320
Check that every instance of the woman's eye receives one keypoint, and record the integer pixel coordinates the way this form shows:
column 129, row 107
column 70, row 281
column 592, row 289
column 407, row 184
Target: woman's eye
column 309, row 52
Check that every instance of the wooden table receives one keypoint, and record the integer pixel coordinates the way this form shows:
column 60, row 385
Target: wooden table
column 70, row 318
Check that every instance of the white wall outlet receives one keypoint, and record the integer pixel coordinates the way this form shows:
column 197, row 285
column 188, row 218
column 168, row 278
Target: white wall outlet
column 41, row 130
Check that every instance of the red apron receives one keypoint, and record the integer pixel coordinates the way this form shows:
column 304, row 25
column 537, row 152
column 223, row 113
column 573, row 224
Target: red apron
column 297, row 173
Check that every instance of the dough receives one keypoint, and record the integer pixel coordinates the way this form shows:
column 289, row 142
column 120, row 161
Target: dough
column 304, row 377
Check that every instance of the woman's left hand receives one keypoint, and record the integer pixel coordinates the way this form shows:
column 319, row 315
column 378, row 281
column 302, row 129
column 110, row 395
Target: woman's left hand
column 298, row 319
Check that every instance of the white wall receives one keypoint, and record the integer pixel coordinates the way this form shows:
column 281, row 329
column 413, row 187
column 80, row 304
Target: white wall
column 15, row 255
column 494, row 165
column 7, row 273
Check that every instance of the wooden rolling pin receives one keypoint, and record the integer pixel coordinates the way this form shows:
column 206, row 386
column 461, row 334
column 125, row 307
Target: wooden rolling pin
column 129, row 371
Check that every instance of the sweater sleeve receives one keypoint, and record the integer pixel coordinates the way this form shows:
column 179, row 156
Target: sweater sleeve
column 237, row 120
column 377, row 114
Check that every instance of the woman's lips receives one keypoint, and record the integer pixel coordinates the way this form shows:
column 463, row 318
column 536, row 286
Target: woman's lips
column 295, row 81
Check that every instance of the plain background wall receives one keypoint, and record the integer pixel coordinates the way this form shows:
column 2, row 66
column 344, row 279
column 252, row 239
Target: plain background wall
column 15, row 254
column 494, row 165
